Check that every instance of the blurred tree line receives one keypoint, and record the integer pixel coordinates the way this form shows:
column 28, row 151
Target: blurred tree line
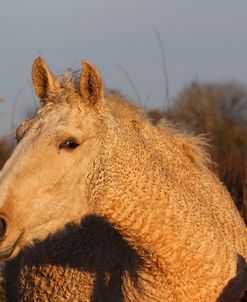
column 5, row 151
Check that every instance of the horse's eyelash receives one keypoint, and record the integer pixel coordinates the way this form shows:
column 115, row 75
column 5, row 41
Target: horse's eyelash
column 70, row 139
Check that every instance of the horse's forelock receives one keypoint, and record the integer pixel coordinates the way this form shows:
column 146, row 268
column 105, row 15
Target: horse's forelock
column 22, row 129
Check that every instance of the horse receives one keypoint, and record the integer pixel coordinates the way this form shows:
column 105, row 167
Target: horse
column 98, row 204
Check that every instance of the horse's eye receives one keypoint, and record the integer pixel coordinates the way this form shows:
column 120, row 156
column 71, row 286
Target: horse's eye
column 69, row 144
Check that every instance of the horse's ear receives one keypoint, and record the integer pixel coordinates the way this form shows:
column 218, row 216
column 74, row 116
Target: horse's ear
column 43, row 79
column 91, row 84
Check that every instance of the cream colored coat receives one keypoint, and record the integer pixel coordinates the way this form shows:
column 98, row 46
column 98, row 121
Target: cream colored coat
column 132, row 213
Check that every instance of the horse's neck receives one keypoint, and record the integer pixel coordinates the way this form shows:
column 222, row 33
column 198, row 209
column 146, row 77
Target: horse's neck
column 134, row 198
column 155, row 199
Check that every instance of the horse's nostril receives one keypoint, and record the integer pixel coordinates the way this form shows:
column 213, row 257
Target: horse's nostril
column 3, row 227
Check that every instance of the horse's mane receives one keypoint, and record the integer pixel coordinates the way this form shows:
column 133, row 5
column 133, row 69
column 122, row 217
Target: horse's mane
column 194, row 147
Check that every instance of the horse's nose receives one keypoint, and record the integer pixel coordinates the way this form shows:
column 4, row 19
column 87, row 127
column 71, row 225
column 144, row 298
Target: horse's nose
column 3, row 227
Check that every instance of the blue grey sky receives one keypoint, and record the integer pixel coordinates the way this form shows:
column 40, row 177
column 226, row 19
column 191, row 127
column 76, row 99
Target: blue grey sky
column 203, row 39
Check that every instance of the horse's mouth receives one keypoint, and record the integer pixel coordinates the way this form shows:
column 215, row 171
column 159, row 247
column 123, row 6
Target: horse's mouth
column 9, row 251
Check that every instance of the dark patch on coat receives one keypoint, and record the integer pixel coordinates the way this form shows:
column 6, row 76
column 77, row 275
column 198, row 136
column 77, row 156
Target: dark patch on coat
column 236, row 289
column 93, row 246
